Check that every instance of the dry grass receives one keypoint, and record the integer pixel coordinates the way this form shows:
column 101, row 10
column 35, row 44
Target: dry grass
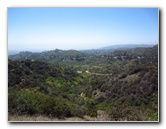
column 131, row 78
column 14, row 118
column 41, row 118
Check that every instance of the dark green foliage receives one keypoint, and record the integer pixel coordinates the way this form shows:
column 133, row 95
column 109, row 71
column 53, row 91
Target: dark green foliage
column 31, row 102
column 23, row 101
column 55, row 107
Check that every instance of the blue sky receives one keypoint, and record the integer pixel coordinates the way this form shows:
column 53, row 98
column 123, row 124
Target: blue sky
column 80, row 28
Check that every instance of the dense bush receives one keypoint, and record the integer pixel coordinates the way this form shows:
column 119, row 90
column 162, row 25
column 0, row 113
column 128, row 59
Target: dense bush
column 29, row 103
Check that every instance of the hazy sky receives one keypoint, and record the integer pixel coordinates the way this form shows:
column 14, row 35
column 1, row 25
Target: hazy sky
column 80, row 28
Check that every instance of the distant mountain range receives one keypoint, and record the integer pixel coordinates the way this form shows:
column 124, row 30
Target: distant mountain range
column 100, row 51
column 109, row 49
column 146, row 53
column 127, row 46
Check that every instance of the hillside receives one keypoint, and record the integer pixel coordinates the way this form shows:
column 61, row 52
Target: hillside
column 140, row 55
column 51, row 56
column 36, row 88
column 119, row 86
column 82, row 61
column 109, row 49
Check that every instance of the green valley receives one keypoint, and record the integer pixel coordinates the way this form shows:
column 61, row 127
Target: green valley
column 120, row 85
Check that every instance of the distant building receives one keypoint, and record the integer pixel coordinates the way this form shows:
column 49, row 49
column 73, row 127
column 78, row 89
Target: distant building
column 87, row 71
column 79, row 71
column 138, row 57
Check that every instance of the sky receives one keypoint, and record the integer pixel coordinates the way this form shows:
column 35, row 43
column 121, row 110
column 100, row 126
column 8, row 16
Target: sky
column 80, row 28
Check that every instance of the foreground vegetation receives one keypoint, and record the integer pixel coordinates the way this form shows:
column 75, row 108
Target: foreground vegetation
column 60, row 85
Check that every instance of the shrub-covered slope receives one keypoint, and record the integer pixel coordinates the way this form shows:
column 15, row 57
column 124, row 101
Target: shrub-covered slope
column 123, row 88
